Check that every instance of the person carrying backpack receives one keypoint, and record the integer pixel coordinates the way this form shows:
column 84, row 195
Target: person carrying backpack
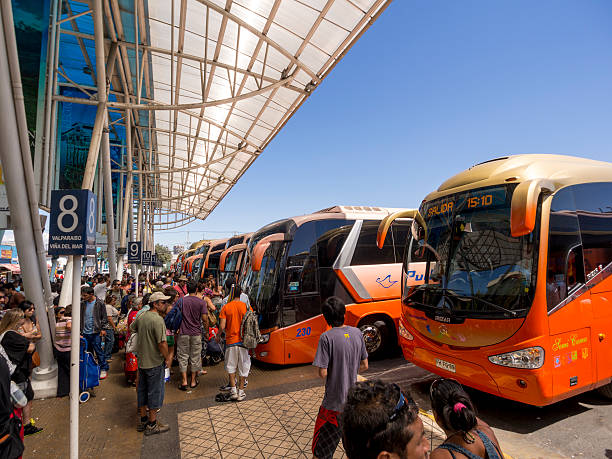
column 237, row 359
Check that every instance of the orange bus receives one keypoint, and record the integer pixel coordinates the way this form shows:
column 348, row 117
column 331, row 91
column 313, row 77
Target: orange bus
column 210, row 263
column 297, row 263
column 233, row 258
column 506, row 278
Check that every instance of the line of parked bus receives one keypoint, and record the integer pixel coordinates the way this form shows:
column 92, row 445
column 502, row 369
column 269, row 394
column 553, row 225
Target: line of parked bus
column 501, row 279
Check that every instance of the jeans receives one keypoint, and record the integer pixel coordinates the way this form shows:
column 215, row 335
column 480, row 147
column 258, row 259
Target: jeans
column 109, row 342
column 94, row 343
column 151, row 390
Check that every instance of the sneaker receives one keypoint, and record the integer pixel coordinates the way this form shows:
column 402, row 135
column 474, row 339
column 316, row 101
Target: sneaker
column 225, row 388
column 241, row 396
column 234, row 394
column 142, row 425
column 31, row 429
column 158, row 427
column 103, row 374
column 246, row 383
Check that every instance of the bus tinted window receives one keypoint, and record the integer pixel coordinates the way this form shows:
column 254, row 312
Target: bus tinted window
column 563, row 248
column 367, row 252
column 330, row 243
column 594, row 210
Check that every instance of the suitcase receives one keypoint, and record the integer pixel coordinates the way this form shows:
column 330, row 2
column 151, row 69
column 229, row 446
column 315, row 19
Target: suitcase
column 89, row 372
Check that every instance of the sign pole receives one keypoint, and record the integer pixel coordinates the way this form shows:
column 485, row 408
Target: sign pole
column 75, row 336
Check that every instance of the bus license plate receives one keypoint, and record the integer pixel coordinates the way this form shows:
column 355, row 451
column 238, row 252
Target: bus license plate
column 446, row 365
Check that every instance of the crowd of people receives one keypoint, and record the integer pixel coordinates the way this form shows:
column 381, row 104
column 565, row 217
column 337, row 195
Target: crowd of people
column 162, row 319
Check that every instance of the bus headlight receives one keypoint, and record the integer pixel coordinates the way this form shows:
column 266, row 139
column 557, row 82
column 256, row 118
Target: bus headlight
column 264, row 338
column 404, row 333
column 530, row 358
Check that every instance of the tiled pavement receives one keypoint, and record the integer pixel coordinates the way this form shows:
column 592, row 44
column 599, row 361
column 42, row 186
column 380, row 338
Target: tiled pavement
column 277, row 426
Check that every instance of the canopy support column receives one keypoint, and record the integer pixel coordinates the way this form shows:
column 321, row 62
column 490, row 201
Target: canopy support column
column 20, row 182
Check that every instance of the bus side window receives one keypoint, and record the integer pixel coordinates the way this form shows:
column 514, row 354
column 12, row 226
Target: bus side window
column 594, row 211
column 564, row 248
column 366, row 250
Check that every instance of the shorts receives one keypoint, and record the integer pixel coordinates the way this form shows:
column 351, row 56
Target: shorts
column 170, row 340
column 189, row 352
column 150, row 391
column 237, row 358
column 327, row 434
column 26, row 388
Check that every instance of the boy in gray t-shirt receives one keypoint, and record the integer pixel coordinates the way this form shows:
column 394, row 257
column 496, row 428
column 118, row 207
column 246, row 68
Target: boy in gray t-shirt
column 341, row 354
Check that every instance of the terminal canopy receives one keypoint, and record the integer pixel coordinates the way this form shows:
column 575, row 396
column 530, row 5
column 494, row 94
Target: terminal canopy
column 206, row 84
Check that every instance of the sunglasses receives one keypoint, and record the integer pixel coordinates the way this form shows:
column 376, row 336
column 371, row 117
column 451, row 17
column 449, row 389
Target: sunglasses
column 401, row 403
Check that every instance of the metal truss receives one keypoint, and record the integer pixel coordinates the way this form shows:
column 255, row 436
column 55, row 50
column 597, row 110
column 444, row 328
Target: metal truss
column 200, row 87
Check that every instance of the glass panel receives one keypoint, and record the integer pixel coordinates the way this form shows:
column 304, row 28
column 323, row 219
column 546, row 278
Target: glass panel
column 473, row 265
column 563, row 236
column 594, row 210
column 330, row 243
column 367, row 252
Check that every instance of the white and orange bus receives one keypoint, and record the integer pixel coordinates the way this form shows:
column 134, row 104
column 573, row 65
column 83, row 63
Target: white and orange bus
column 297, row 263
column 210, row 262
column 506, row 278
column 233, row 258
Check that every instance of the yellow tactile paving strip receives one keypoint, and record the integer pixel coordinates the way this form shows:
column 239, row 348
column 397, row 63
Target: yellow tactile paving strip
column 278, row 426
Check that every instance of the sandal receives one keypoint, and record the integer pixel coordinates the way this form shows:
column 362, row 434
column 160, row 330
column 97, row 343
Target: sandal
column 196, row 384
column 183, row 387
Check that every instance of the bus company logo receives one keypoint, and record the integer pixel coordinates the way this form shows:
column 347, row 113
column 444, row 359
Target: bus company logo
column 577, row 341
column 443, row 330
column 412, row 273
column 558, row 345
column 557, row 361
column 386, row 282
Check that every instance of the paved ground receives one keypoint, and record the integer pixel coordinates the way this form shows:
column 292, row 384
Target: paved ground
column 278, row 417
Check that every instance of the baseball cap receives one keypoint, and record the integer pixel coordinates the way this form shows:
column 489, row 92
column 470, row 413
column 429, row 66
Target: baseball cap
column 157, row 296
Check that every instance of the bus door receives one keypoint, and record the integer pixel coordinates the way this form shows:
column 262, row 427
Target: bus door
column 570, row 312
column 302, row 319
column 594, row 212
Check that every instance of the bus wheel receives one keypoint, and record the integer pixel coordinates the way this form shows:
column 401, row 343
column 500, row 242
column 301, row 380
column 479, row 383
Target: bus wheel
column 606, row 391
column 375, row 335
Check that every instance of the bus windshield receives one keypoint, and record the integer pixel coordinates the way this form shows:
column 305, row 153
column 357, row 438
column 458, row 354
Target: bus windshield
column 262, row 286
column 469, row 265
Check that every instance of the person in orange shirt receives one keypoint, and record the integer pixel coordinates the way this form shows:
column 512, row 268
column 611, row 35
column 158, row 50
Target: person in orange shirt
column 237, row 357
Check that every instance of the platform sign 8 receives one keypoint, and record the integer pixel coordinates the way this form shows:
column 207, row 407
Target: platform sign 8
column 72, row 229
column 134, row 251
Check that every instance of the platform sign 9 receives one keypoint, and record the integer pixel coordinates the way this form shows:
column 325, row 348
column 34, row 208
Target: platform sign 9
column 134, row 251
column 146, row 257
column 72, row 229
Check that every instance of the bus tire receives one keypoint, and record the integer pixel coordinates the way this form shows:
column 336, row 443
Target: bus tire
column 606, row 391
column 376, row 336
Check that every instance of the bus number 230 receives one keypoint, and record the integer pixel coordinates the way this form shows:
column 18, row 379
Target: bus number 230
column 303, row 332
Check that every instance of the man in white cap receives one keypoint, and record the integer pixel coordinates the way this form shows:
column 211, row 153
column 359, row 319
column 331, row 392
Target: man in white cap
column 153, row 358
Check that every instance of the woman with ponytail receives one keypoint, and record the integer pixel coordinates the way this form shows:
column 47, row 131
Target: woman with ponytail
column 466, row 434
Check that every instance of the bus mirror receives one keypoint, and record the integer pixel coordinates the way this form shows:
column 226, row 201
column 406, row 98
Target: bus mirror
column 222, row 261
column 525, row 205
column 386, row 222
column 261, row 247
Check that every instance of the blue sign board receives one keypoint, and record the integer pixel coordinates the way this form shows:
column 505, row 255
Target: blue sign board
column 154, row 259
column 134, row 251
column 72, row 229
column 146, row 258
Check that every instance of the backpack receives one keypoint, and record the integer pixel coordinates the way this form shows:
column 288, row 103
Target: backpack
column 249, row 330
column 174, row 318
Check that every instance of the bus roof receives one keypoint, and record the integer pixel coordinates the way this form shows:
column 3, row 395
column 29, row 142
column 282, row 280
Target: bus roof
column 561, row 170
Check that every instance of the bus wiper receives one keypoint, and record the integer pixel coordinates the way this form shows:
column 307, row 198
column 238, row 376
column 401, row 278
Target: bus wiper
column 471, row 297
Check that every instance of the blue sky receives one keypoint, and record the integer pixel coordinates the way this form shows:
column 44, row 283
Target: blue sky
column 432, row 88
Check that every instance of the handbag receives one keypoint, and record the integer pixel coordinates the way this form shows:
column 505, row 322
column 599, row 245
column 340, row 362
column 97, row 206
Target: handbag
column 132, row 343
column 35, row 359
column 174, row 318
column 212, row 318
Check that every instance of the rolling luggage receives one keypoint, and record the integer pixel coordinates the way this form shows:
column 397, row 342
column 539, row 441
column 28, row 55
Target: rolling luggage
column 89, row 372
